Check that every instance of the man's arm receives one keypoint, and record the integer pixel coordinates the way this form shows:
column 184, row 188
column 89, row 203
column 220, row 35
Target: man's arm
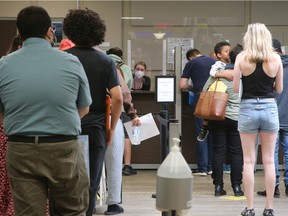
column 83, row 111
column 184, row 85
column 116, row 109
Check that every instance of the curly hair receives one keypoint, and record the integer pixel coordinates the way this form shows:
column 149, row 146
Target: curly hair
column 84, row 27
column 219, row 46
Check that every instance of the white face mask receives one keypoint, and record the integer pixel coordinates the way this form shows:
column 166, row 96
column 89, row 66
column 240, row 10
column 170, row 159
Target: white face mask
column 139, row 74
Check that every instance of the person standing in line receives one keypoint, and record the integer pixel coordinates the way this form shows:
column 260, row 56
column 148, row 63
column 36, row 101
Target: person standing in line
column 116, row 54
column 221, row 51
column 114, row 152
column 225, row 136
column 86, row 29
column 43, row 94
column 282, row 102
column 6, row 201
column 261, row 70
column 198, row 69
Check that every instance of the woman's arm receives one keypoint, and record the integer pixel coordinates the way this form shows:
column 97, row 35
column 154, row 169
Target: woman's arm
column 237, row 74
column 279, row 76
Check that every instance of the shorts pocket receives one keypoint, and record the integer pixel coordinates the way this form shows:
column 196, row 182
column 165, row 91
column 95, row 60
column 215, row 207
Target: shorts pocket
column 246, row 121
column 272, row 119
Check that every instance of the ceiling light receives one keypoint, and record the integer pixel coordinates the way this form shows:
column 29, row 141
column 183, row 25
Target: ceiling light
column 159, row 35
column 132, row 18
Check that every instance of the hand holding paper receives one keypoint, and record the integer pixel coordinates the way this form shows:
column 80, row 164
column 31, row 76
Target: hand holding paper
column 148, row 127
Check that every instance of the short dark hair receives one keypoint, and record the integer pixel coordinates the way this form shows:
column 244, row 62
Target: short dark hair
column 218, row 47
column 33, row 21
column 192, row 53
column 116, row 51
column 277, row 45
column 84, row 27
column 234, row 52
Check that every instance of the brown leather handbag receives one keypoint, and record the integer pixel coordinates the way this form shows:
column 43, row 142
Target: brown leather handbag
column 212, row 105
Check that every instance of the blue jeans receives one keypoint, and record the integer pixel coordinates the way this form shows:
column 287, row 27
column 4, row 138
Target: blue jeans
column 204, row 148
column 283, row 137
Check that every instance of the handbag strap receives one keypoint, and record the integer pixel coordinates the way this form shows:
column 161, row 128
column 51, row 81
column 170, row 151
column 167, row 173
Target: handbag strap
column 215, row 90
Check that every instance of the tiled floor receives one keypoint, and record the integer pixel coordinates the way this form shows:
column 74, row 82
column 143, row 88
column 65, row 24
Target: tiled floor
column 138, row 201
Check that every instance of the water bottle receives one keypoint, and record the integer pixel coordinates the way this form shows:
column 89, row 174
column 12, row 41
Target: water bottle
column 135, row 136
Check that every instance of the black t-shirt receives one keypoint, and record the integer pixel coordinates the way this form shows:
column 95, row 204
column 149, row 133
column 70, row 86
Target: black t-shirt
column 101, row 73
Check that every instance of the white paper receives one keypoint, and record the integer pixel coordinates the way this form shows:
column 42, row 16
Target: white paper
column 148, row 127
column 165, row 89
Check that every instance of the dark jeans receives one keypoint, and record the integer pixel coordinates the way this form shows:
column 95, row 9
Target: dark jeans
column 97, row 149
column 226, row 148
column 204, row 148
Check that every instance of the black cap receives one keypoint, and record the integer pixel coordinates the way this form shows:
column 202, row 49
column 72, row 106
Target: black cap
column 276, row 45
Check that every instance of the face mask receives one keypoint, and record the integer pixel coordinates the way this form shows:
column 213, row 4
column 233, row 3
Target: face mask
column 139, row 74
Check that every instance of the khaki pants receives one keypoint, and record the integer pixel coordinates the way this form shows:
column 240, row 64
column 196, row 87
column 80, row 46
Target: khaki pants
column 59, row 168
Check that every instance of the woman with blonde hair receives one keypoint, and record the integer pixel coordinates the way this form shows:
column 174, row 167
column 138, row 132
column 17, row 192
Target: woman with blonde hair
column 262, row 73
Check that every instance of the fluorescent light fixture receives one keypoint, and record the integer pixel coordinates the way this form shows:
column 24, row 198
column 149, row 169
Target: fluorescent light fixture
column 159, row 35
column 132, row 18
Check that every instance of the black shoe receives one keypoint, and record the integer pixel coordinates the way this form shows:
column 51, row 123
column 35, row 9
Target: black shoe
column 248, row 212
column 286, row 190
column 202, row 135
column 268, row 212
column 128, row 170
column 276, row 192
column 114, row 209
column 219, row 191
column 237, row 190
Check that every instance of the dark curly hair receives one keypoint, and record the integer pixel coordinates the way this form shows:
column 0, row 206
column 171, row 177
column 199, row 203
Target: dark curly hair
column 84, row 27
column 219, row 46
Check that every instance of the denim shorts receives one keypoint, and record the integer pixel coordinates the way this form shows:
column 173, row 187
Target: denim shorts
column 258, row 115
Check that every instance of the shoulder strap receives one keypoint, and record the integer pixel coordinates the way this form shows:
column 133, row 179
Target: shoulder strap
column 119, row 68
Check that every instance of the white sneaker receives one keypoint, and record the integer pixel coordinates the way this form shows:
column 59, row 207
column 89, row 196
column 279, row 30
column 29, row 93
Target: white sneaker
column 209, row 172
column 197, row 173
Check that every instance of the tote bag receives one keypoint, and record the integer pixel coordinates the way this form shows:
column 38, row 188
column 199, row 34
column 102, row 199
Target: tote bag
column 212, row 104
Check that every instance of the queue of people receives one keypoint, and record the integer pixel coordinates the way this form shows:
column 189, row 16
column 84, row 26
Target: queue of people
column 259, row 71
column 63, row 94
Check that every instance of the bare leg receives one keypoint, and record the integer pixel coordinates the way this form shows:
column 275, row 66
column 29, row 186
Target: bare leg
column 248, row 146
column 268, row 142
